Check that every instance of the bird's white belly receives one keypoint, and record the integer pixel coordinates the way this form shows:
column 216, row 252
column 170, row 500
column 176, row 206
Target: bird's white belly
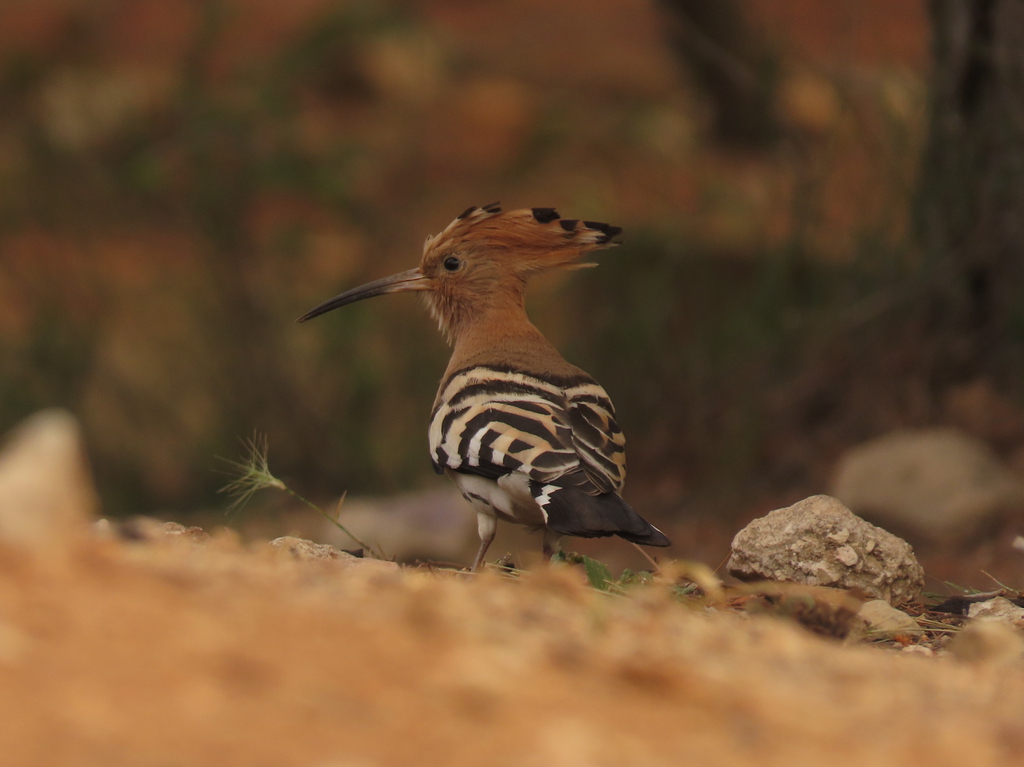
column 507, row 497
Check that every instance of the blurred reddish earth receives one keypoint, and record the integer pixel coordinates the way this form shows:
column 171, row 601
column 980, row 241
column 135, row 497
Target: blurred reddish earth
column 181, row 653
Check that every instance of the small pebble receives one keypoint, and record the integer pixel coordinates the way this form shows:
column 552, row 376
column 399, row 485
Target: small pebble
column 988, row 642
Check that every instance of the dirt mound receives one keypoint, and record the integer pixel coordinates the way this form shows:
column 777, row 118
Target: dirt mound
column 192, row 653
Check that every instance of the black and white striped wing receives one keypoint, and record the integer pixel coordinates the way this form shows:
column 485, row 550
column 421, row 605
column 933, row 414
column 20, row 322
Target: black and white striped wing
column 492, row 422
column 560, row 439
column 598, row 440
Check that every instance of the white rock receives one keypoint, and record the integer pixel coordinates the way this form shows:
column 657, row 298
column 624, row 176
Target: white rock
column 935, row 485
column 885, row 621
column 46, row 492
column 998, row 608
column 798, row 544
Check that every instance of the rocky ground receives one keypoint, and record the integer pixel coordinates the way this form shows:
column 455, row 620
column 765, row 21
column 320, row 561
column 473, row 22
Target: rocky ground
column 148, row 643
column 185, row 653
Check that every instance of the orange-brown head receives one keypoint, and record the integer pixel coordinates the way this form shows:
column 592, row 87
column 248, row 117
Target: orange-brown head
column 482, row 260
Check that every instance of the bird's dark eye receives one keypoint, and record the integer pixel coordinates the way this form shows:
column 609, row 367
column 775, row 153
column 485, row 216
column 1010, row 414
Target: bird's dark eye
column 452, row 264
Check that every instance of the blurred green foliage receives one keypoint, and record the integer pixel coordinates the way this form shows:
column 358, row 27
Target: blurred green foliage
column 163, row 230
column 202, row 162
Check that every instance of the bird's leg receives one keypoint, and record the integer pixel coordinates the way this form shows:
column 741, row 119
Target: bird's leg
column 550, row 546
column 486, row 526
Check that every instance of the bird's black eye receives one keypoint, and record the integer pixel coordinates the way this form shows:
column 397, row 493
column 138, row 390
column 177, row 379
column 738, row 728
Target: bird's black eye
column 452, row 264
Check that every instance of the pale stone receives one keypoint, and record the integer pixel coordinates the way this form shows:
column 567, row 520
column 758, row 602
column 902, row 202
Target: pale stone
column 148, row 530
column 429, row 525
column 840, row 537
column 917, row 649
column 301, row 548
column 797, row 544
column 998, row 608
column 885, row 621
column 46, row 492
column 936, row 485
column 847, row 556
column 307, row 550
column 989, row 642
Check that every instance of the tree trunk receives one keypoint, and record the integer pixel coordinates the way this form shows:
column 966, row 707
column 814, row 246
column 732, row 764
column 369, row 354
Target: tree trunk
column 971, row 198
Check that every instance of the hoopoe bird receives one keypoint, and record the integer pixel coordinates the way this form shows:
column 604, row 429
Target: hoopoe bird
column 527, row 437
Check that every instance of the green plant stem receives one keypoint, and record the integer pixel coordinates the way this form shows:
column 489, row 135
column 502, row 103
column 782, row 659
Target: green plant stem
column 328, row 517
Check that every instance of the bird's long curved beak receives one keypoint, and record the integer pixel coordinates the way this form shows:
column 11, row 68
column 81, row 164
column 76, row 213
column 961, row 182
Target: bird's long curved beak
column 396, row 283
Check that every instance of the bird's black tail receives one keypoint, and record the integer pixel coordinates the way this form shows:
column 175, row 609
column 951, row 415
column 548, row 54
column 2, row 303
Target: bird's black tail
column 573, row 512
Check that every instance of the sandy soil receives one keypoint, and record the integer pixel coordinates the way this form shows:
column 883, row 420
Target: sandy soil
column 181, row 653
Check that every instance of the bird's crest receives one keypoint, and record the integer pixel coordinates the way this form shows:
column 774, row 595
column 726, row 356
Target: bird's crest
column 535, row 238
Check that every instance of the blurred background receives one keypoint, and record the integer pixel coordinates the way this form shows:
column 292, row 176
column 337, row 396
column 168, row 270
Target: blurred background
column 821, row 204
